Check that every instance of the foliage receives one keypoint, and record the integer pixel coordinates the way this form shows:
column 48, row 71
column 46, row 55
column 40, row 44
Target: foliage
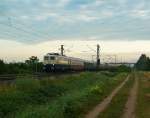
column 143, row 63
column 32, row 60
column 2, row 67
column 30, row 66
column 123, row 68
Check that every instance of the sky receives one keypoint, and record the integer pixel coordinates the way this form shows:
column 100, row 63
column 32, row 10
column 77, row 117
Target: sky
column 120, row 26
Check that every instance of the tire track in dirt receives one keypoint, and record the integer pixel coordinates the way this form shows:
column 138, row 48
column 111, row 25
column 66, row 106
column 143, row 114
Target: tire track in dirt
column 103, row 105
column 129, row 111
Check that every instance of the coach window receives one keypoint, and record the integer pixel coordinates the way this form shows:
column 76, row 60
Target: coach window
column 52, row 58
column 46, row 58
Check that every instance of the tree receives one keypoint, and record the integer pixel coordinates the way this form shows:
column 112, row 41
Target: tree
column 2, row 67
column 32, row 60
column 34, row 64
column 143, row 63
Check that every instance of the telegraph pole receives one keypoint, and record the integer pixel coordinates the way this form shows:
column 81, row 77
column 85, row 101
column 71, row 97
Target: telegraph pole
column 98, row 55
column 62, row 50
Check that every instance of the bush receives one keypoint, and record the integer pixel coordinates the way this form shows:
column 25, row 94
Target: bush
column 19, row 68
column 96, row 89
column 123, row 68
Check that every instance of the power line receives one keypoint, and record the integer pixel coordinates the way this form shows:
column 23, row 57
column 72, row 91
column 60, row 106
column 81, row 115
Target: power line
column 21, row 30
column 14, row 35
column 27, row 32
column 33, row 30
column 91, row 48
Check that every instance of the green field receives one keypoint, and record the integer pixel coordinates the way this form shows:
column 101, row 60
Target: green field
column 68, row 96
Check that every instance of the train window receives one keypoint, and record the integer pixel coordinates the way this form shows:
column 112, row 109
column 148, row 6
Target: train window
column 52, row 58
column 46, row 58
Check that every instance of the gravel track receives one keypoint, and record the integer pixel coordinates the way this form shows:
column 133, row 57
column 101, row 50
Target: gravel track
column 104, row 104
column 129, row 111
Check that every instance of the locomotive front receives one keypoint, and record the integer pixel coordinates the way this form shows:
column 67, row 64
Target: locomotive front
column 56, row 62
column 49, row 62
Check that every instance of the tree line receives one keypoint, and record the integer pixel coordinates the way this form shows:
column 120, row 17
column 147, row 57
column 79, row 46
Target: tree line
column 31, row 65
column 143, row 63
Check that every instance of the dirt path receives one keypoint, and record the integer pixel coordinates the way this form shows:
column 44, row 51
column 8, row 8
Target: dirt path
column 100, row 107
column 129, row 111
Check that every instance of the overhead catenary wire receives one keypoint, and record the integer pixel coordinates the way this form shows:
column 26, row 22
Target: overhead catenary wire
column 28, row 33
column 11, row 21
column 20, row 29
column 15, row 36
column 91, row 48
column 30, row 28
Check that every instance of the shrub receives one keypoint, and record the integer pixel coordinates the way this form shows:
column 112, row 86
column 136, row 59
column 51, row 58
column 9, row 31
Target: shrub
column 96, row 89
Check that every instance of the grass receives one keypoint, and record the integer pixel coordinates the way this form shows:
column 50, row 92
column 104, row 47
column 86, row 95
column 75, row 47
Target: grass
column 143, row 104
column 65, row 97
column 116, row 107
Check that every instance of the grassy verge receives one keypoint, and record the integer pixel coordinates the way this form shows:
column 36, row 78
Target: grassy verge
column 66, row 97
column 116, row 107
column 143, row 104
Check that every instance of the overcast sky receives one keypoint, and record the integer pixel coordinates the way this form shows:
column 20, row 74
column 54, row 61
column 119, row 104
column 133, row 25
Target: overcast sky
column 35, row 22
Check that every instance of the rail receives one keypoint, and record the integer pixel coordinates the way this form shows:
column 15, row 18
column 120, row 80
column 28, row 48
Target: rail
column 13, row 77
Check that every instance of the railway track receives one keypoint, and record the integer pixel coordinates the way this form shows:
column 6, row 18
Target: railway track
column 7, row 77
column 13, row 77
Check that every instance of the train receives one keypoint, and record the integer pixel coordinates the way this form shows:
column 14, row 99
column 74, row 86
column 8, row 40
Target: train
column 55, row 62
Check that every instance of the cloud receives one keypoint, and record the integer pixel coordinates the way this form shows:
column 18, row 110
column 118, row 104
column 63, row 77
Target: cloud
column 45, row 16
column 87, row 18
column 98, row 2
column 141, row 14
column 91, row 5
column 24, row 17
column 109, row 19
column 107, row 13
column 63, row 3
